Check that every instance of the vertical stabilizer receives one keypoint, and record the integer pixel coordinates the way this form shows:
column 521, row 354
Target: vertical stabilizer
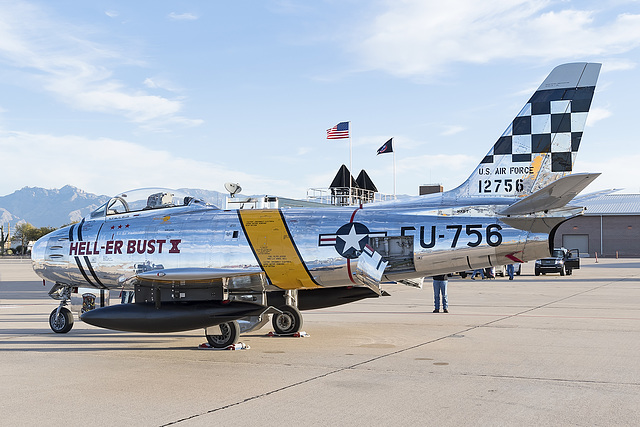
column 541, row 143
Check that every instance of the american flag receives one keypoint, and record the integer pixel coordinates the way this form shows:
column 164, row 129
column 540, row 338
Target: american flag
column 339, row 131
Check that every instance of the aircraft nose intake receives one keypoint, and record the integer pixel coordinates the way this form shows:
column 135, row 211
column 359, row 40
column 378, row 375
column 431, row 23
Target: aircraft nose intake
column 38, row 249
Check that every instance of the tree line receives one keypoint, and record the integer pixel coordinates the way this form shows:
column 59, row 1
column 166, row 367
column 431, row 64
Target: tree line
column 23, row 233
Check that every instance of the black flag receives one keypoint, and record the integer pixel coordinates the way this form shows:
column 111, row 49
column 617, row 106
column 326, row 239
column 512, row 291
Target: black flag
column 387, row 147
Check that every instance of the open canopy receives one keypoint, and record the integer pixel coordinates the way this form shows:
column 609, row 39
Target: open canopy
column 146, row 199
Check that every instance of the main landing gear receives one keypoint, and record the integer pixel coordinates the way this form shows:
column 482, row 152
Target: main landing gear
column 229, row 335
column 288, row 321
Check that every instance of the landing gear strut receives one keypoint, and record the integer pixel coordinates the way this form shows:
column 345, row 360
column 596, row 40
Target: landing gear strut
column 61, row 319
column 288, row 320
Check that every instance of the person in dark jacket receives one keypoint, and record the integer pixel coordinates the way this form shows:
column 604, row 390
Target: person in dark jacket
column 440, row 288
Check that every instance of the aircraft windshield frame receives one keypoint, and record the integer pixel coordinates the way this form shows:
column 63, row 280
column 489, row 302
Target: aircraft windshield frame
column 144, row 199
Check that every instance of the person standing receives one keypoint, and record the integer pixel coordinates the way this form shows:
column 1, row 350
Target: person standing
column 476, row 272
column 510, row 270
column 440, row 288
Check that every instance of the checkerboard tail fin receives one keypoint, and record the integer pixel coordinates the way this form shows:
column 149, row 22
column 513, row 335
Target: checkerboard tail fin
column 541, row 143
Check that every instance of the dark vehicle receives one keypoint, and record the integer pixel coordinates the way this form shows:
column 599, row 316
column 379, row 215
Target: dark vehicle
column 561, row 261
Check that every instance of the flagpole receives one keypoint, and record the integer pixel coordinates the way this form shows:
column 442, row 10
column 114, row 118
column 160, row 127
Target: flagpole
column 386, row 148
column 350, row 163
column 394, row 174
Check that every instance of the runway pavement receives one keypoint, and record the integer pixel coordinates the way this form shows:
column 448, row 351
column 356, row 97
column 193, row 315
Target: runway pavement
column 545, row 350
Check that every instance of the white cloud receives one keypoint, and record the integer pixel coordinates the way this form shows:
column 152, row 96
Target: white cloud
column 597, row 114
column 449, row 170
column 452, row 130
column 301, row 151
column 111, row 13
column 617, row 64
column 615, row 173
column 183, row 16
column 161, row 83
column 107, row 166
column 150, row 83
column 58, row 58
column 419, row 39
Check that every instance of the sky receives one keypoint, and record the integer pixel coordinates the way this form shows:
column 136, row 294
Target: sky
column 114, row 95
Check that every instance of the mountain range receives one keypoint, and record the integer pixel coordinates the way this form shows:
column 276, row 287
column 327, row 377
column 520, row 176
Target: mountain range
column 42, row 207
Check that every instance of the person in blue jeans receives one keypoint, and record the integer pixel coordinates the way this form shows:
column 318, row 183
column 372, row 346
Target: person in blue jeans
column 479, row 271
column 440, row 288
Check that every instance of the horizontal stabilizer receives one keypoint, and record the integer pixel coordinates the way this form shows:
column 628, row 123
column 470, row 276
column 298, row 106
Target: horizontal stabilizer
column 542, row 224
column 195, row 274
column 553, row 196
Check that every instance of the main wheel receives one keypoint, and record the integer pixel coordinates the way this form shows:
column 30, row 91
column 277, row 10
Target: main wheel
column 287, row 322
column 229, row 334
column 61, row 323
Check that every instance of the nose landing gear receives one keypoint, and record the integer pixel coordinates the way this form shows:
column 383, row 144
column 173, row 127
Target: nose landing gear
column 61, row 319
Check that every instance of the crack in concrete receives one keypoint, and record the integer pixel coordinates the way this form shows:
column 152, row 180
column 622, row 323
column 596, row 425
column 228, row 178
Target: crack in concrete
column 413, row 347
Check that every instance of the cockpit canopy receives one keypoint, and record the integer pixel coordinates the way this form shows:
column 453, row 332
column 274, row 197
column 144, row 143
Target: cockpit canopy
column 144, row 199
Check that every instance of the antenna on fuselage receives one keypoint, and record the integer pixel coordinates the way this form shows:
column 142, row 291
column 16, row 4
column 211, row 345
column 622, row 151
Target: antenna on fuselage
column 233, row 188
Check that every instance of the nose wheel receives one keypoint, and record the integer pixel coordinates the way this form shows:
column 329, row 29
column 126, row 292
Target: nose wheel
column 61, row 320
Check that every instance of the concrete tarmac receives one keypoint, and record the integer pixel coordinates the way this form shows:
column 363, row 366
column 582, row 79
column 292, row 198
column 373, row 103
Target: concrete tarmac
column 545, row 350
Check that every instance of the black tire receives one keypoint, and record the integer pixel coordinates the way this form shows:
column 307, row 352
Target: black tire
column 61, row 323
column 562, row 271
column 463, row 274
column 537, row 272
column 288, row 322
column 230, row 333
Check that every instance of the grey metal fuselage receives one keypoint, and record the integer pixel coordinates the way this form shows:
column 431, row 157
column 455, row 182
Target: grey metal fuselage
column 446, row 235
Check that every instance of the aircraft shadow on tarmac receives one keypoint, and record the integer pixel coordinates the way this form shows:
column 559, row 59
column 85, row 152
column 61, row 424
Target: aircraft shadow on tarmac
column 91, row 341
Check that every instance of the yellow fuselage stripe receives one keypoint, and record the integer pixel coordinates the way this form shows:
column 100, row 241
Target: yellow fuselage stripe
column 272, row 244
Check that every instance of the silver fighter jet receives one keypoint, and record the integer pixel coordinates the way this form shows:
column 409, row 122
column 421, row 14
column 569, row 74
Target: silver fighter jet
column 191, row 265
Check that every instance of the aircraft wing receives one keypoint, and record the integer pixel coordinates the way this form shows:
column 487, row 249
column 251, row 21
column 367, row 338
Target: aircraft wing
column 196, row 274
column 553, row 196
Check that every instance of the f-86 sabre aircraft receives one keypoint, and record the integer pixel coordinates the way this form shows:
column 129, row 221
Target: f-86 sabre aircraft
column 192, row 265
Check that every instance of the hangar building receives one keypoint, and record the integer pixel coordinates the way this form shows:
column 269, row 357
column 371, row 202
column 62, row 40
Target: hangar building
column 609, row 227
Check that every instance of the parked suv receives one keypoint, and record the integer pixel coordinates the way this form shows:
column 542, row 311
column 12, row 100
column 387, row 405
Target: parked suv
column 561, row 261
